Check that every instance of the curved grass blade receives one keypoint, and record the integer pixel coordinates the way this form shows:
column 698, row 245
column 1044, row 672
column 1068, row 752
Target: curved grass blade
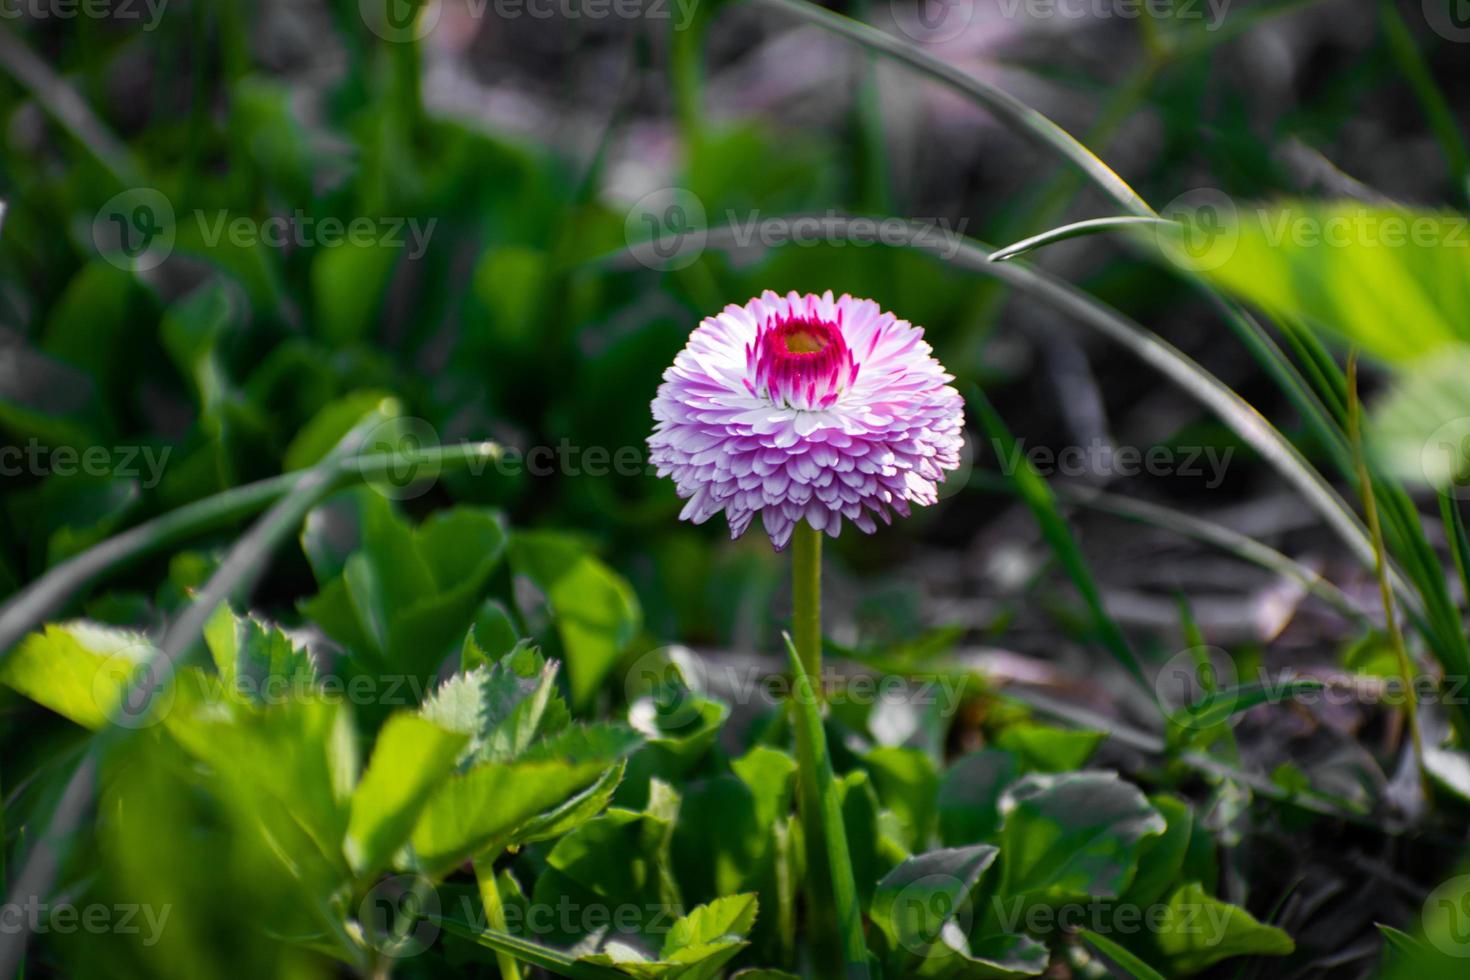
column 1136, row 967
column 1005, row 106
column 1385, row 592
column 1225, row 703
column 1187, row 525
column 62, row 103
column 1038, row 497
column 26, row 610
column 1078, row 229
column 1405, row 52
column 844, row 884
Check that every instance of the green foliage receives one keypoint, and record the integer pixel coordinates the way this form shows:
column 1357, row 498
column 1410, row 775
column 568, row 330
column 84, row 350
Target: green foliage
column 372, row 721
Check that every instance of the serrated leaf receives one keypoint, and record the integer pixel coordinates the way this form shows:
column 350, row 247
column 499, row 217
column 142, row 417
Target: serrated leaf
column 256, row 661
column 503, row 708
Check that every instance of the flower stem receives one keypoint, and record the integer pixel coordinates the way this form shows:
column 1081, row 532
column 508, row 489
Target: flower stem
column 806, row 598
column 495, row 913
column 825, row 946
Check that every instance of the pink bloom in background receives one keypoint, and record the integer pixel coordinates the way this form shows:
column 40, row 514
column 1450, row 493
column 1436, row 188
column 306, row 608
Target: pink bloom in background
column 806, row 408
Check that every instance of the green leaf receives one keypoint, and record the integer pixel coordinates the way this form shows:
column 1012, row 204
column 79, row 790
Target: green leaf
column 725, row 918
column 289, row 769
column 411, row 758
column 1387, row 280
column 621, row 856
column 1043, row 748
column 1074, row 835
column 348, row 282
column 81, row 671
column 969, row 796
column 696, row 948
column 596, row 613
column 256, row 661
column 481, row 809
column 503, row 708
column 908, row 786
column 575, row 811
column 999, row 956
column 387, row 574
column 915, row 900
column 1198, row 931
column 325, row 429
column 1161, row 859
column 492, row 636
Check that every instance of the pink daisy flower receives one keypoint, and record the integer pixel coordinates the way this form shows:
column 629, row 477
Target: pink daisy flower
column 805, row 408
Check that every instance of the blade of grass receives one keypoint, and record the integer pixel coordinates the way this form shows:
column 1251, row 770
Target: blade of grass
column 1005, row 106
column 1136, row 967
column 26, row 610
column 1187, row 525
column 1454, row 529
column 1406, row 54
column 535, row 954
column 824, row 785
column 1043, row 506
column 1078, row 229
column 60, row 101
column 1390, row 618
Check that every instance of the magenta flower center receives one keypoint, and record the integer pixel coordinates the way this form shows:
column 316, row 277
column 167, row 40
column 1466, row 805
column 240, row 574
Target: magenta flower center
column 800, row 362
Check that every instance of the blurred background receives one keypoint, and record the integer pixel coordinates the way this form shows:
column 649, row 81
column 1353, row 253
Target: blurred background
column 228, row 223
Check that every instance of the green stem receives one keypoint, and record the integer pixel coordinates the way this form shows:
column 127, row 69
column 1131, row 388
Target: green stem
column 510, row 969
column 806, row 600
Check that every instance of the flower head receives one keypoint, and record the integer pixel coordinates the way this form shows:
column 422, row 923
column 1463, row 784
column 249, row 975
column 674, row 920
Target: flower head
column 805, row 408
